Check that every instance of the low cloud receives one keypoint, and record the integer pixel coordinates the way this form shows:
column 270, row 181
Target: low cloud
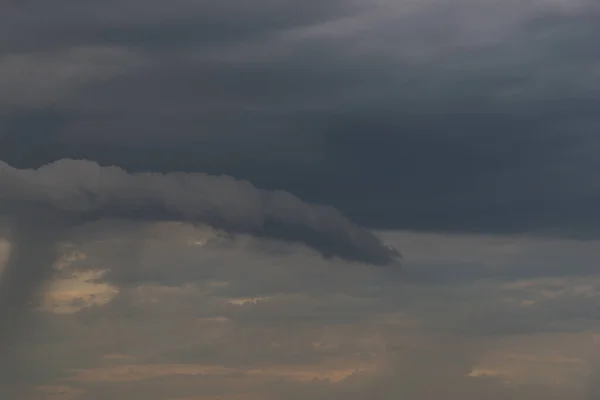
column 43, row 205
column 83, row 191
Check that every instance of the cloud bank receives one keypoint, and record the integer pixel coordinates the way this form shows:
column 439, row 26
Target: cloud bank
column 479, row 116
column 84, row 191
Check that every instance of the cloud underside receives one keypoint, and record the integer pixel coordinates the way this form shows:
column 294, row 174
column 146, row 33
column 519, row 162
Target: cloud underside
column 476, row 117
column 73, row 192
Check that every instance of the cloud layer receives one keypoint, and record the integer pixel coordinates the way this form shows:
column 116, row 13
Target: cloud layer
column 83, row 191
column 191, row 315
column 479, row 116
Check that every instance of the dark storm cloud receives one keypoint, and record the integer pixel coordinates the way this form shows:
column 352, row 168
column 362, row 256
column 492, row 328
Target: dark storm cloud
column 153, row 24
column 83, row 191
column 468, row 119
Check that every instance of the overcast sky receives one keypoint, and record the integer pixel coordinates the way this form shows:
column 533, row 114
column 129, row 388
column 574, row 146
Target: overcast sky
column 207, row 200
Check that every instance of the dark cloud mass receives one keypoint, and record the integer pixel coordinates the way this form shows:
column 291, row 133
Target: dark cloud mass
column 481, row 117
column 83, row 191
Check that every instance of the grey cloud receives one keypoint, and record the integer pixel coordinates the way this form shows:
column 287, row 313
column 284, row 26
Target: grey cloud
column 90, row 192
column 35, row 80
column 154, row 24
column 444, row 260
column 447, row 123
column 468, row 284
column 162, row 319
column 473, row 286
column 173, row 256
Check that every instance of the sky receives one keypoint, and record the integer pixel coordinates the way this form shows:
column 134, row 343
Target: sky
column 328, row 199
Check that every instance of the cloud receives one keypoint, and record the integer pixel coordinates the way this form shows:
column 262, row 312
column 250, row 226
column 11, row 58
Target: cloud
column 493, row 257
column 77, row 292
column 84, row 190
column 34, row 80
column 475, row 117
column 155, row 25
column 180, row 308
column 132, row 372
column 61, row 392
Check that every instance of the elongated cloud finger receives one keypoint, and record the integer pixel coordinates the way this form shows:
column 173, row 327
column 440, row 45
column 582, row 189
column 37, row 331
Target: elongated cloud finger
column 85, row 190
